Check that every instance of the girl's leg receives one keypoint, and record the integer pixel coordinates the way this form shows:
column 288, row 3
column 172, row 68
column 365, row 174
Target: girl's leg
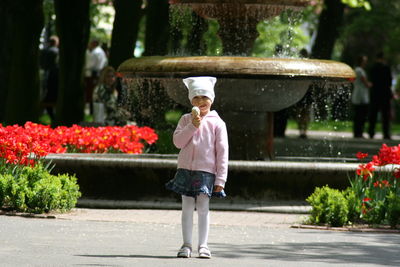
column 202, row 206
column 188, row 204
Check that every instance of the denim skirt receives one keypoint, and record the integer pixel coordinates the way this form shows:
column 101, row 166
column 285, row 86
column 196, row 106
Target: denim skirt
column 193, row 183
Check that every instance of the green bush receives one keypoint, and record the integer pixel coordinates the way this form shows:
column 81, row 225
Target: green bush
column 374, row 211
column 353, row 205
column 329, row 206
column 36, row 190
column 393, row 209
column 5, row 180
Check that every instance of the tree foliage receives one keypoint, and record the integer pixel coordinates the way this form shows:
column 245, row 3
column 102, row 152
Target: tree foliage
column 358, row 3
column 368, row 32
column 284, row 30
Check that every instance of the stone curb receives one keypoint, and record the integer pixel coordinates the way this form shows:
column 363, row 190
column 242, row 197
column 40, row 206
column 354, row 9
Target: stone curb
column 126, row 204
column 28, row 215
column 348, row 229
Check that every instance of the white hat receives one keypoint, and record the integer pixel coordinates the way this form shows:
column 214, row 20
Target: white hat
column 203, row 86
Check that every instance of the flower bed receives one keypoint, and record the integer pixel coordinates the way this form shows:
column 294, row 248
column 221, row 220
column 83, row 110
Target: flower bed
column 18, row 143
column 372, row 198
column 25, row 181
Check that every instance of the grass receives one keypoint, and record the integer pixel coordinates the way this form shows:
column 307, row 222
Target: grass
column 339, row 126
column 46, row 120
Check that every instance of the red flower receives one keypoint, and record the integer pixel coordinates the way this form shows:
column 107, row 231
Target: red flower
column 387, row 155
column 361, row 155
column 381, row 184
column 366, row 199
column 385, row 183
column 365, row 170
column 119, row 74
column 396, row 173
column 24, row 145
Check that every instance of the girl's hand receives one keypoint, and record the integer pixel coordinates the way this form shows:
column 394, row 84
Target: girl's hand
column 218, row 188
column 196, row 121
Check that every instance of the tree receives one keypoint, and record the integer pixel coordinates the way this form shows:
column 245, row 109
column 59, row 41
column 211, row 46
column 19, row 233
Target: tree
column 5, row 48
column 125, row 30
column 73, row 28
column 187, row 31
column 157, row 28
column 365, row 34
column 23, row 22
column 195, row 44
column 330, row 21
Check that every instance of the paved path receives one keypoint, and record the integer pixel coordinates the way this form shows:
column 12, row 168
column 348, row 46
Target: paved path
column 95, row 237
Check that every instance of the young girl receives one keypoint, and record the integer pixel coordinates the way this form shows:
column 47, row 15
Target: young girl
column 202, row 162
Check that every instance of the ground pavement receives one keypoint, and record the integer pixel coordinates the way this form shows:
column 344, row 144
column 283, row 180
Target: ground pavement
column 137, row 237
column 240, row 235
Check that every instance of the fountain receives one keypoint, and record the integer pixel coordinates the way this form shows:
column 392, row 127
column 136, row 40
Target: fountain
column 249, row 89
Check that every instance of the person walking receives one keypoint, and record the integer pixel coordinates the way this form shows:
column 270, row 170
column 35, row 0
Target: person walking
column 302, row 109
column 96, row 60
column 49, row 64
column 360, row 97
column 381, row 96
column 202, row 171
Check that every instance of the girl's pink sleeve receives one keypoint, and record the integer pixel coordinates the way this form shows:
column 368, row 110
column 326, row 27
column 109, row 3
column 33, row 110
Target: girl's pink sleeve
column 222, row 155
column 184, row 132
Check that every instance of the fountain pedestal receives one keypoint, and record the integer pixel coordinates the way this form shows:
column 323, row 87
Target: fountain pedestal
column 250, row 134
column 247, row 89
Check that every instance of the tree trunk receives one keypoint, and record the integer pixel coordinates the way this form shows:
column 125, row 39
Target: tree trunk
column 330, row 21
column 5, row 48
column 157, row 28
column 125, row 30
column 195, row 43
column 73, row 28
column 23, row 87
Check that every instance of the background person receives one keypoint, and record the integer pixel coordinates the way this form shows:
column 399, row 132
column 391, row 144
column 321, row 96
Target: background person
column 106, row 110
column 49, row 64
column 360, row 97
column 381, row 96
column 96, row 60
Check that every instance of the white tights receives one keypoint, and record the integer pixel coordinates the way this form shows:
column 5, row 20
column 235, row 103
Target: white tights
column 202, row 206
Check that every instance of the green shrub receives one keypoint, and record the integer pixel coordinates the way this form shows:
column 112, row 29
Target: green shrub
column 393, row 209
column 374, row 211
column 13, row 191
column 353, row 205
column 329, row 206
column 70, row 192
column 4, row 182
column 36, row 190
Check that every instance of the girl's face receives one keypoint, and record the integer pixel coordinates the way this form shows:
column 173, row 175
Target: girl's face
column 109, row 79
column 203, row 103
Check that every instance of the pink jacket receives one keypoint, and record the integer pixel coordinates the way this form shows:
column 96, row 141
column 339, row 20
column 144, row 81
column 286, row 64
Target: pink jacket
column 204, row 148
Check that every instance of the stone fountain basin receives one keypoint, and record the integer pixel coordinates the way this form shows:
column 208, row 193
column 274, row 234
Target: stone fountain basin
column 143, row 177
column 244, row 83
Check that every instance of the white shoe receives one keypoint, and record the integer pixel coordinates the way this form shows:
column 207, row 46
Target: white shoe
column 185, row 251
column 204, row 253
